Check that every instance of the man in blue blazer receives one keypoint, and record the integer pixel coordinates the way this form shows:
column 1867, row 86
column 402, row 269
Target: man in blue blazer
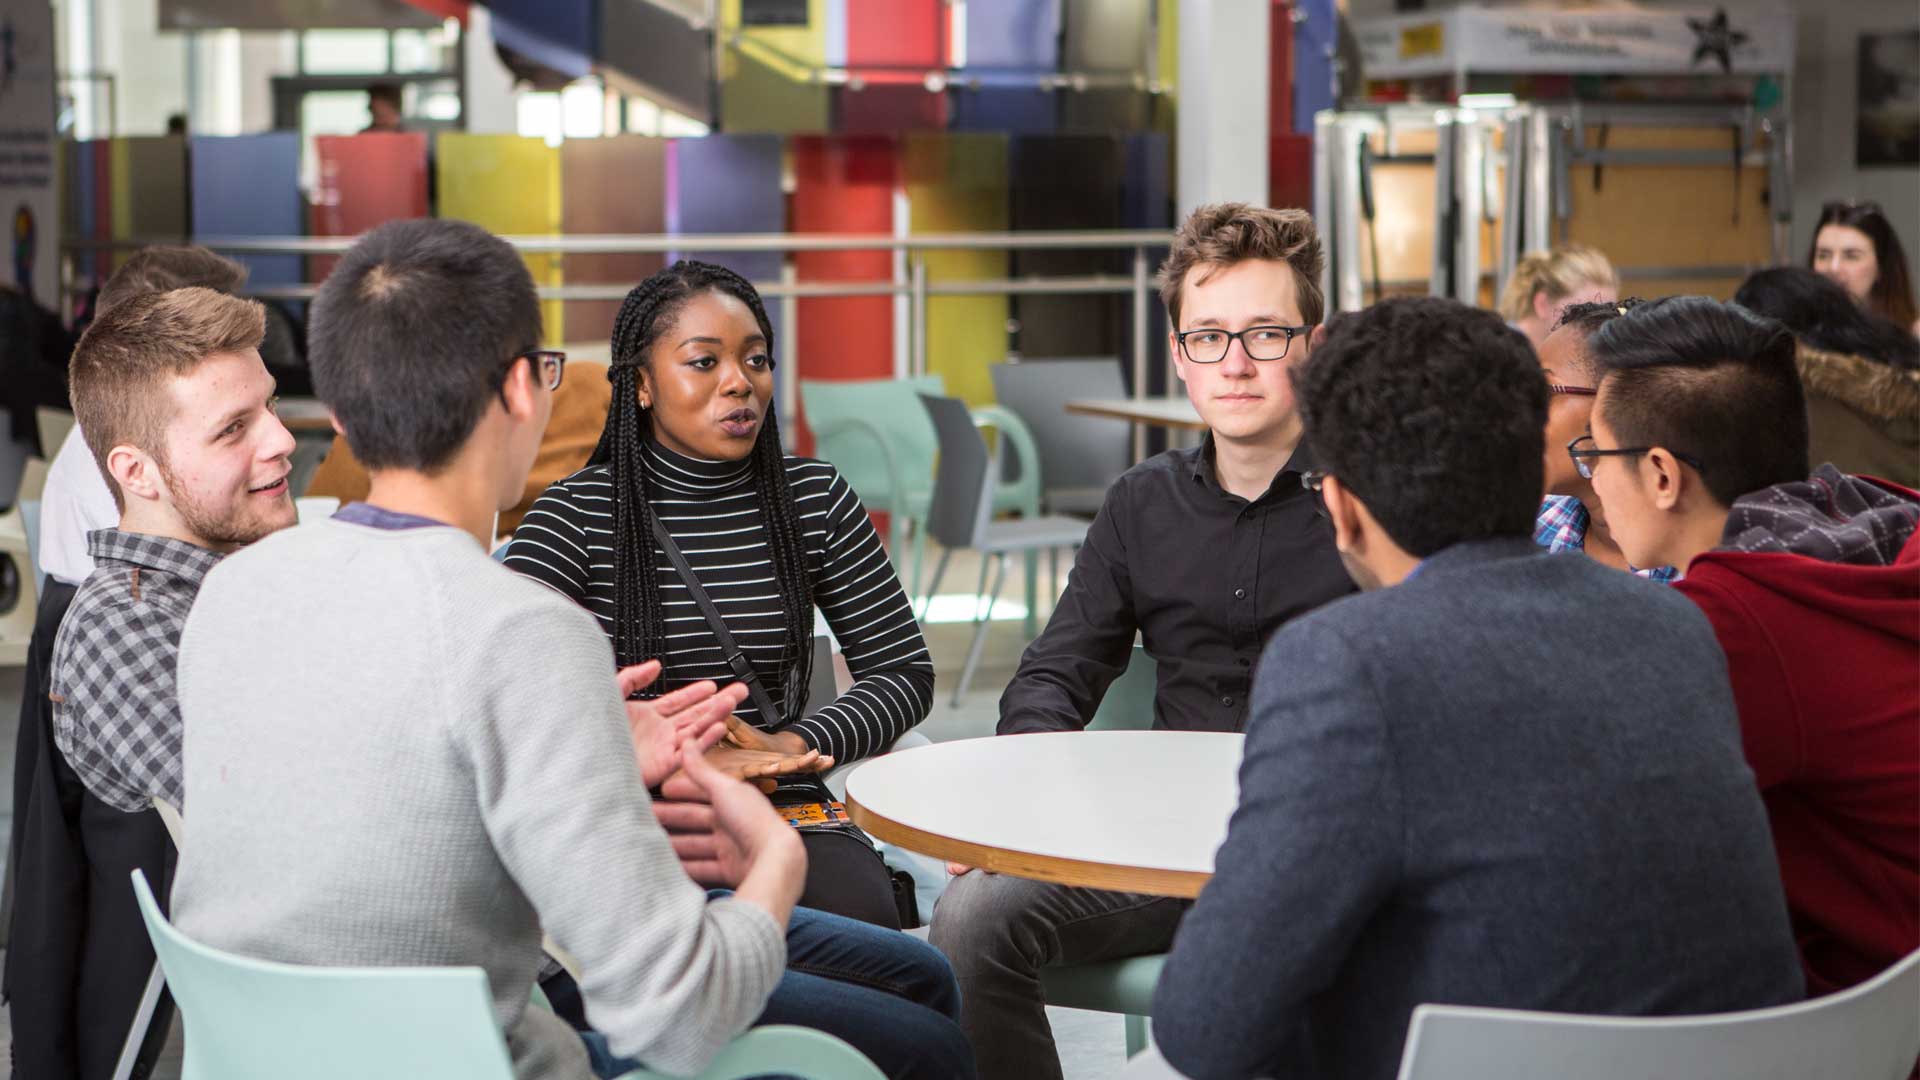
column 1497, row 777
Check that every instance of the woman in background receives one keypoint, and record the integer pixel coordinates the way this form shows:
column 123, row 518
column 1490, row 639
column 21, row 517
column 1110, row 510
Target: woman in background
column 1861, row 373
column 1855, row 246
column 1546, row 283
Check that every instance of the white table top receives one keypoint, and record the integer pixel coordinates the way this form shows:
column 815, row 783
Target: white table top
column 1174, row 410
column 1140, row 811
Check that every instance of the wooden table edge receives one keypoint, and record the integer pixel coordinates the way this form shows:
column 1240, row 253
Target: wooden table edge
column 1057, row 869
column 1083, row 409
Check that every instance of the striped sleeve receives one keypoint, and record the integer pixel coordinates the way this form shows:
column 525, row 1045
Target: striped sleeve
column 873, row 621
column 550, row 546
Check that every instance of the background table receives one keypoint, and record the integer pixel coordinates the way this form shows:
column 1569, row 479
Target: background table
column 1137, row 811
column 1172, row 411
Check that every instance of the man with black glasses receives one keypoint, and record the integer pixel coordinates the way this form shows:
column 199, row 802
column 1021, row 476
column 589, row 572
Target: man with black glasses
column 1498, row 777
column 1203, row 553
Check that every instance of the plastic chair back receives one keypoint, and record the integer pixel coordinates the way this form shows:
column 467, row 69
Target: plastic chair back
column 846, row 416
column 962, row 500
column 1864, row 1033
column 250, row 1018
column 1128, row 704
column 782, row 1050
column 1080, row 456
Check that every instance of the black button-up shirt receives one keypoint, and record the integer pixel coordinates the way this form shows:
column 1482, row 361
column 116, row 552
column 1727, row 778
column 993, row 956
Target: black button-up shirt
column 1203, row 575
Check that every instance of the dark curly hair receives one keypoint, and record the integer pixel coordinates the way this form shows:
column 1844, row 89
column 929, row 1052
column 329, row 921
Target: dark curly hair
column 1821, row 314
column 1711, row 381
column 1431, row 413
column 1585, row 319
column 639, row 618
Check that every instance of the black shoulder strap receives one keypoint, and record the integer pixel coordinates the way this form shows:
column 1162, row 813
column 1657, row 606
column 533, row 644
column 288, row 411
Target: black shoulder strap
column 737, row 660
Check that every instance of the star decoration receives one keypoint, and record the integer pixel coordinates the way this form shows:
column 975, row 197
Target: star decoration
column 1716, row 39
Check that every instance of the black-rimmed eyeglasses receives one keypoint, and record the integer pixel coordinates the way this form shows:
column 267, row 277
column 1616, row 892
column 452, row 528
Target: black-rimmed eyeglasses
column 1209, row 345
column 1585, row 452
column 549, row 365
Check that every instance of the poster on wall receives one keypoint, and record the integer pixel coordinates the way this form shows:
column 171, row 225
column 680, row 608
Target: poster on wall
column 1724, row 40
column 28, row 197
column 1888, row 129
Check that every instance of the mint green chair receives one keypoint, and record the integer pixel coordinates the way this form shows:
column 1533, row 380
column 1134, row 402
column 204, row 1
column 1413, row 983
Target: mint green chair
column 1120, row 986
column 247, row 1018
column 878, row 436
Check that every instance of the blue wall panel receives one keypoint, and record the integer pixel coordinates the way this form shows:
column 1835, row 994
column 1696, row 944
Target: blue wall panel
column 249, row 185
column 728, row 184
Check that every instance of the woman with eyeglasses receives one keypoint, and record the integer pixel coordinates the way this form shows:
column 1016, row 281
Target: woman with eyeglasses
column 1854, row 245
column 1567, row 520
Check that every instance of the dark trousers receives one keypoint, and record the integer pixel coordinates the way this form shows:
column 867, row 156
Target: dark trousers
column 78, row 957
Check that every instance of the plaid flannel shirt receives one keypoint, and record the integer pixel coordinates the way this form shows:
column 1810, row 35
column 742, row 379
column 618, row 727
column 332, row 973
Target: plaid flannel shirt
column 116, row 715
column 1562, row 526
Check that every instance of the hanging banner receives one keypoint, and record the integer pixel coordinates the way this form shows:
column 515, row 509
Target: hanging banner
column 1750, row 40
column 28, row 150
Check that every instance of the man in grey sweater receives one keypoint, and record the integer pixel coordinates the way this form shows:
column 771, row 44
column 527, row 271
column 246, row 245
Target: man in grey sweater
column 374, row 771
column 1498, row 777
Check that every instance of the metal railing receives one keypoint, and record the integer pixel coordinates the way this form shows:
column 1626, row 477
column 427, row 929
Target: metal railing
column 916, row 284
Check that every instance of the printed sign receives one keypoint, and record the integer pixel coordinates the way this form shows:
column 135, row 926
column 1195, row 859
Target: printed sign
column 1611, row 41
column 28, row 150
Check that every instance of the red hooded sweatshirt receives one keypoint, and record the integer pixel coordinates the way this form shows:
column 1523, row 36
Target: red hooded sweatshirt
column 1815, row 596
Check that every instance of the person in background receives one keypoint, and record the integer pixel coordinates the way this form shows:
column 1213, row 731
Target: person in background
column 1812, row 585
column 1413, row 826
column 1566, row 521
column 178, row 409
column 1854, row 244
column 1203, row 552
column 384, row 111
column 1546, row 283
column 1861, row 373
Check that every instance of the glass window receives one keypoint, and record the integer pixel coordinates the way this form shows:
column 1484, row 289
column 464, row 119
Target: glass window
column 343, row 52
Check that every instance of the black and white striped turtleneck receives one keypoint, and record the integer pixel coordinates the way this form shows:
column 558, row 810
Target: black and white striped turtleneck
column 713, row 511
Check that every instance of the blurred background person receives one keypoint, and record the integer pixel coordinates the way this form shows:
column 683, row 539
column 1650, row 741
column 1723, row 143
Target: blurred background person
column 1545, row 283
column 1855, row 245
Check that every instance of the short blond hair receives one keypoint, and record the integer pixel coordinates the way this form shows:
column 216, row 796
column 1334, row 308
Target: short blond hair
column 1559, row 273
column 1220, row 235
column 123, row 360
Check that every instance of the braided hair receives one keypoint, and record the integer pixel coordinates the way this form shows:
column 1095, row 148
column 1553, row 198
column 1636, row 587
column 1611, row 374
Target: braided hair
column 639, row 618
column 1587, row 319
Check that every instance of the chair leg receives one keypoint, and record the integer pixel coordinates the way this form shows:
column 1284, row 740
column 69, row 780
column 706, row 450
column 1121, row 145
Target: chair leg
column 933, row 587
column 1053, row 572
column 1137, row 1037
column 919, row 554
column 980, row 589
column 1033, row 594
column 142, row 1019
column 980, row 627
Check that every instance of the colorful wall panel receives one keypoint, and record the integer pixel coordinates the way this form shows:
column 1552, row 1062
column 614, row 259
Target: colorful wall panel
column 563, row 37
column 87, row 209
column 844, row 184
column 1007, row 110
column 883, row 108
column 1067, row 182
column 149, row 189
column 728, row 184
column 958, row 183
column 764, row 75
column 510, row 185
column 1012, row 35
column 249, row 185
column 362, row 181
column 902, row 39
column 610, row 185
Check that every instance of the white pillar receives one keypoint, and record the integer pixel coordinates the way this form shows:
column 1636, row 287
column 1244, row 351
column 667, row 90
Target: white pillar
column 1222, row 139
column 490, row 107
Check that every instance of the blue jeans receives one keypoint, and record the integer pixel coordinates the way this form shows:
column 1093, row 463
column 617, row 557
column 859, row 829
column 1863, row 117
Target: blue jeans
column 890, row 995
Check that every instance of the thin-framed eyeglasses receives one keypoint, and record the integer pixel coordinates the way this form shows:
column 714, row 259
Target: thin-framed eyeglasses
column 1312, row 479
column 1584, row 456
column 549, row 366
column 1209, row 345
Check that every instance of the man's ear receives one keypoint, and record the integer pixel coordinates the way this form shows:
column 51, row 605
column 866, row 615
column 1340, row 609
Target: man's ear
column 1668, row 477
column 136, row 473
column 1317, row 337
column 1179, row 358
column 1344, row 511
column 519, row 393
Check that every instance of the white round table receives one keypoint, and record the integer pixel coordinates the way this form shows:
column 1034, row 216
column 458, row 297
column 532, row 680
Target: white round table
column 1135, row 811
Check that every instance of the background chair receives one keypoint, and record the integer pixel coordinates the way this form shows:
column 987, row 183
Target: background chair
column 962, row 517
column 1080, row 456
column 1128, row 702
column 249, row 1018
column 1864, row 1033
column 879, row 438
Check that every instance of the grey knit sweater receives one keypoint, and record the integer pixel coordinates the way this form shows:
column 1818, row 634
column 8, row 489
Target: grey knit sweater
column 399, row 752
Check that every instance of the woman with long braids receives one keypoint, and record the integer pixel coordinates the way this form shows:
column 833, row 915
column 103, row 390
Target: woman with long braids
column 691, row 443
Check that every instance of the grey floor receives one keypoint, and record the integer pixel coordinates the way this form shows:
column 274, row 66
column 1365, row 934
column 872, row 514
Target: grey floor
column 1091, row 1044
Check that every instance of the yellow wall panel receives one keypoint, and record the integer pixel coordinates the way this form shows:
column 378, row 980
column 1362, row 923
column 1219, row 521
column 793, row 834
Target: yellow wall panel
column 958, row 183
column 509, row 185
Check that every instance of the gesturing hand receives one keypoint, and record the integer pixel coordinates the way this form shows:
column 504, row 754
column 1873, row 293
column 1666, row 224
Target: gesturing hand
column 695, row 715
column 723, row 829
